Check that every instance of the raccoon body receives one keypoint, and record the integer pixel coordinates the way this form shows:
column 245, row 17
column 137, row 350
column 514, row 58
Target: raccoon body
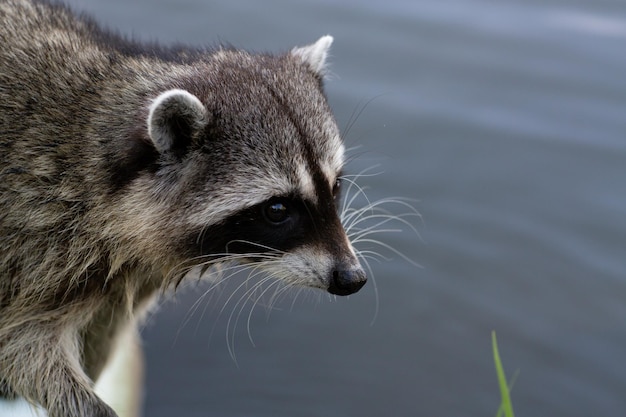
column 124, row 166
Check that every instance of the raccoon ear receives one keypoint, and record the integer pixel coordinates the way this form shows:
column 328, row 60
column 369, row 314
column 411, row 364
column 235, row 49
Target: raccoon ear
column 315, row 55
column 175, row 117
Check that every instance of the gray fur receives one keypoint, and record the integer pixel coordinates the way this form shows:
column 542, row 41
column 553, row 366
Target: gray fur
column 107, row 185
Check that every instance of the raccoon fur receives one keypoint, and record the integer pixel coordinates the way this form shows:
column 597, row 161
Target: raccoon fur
column 123, row 166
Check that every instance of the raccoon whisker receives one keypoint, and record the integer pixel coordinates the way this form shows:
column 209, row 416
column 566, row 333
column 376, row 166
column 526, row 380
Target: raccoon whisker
column 280, row 283
column 382, row 219
column 275, row 284
column 242, row 299
column 247, row 242
column 182, row 268
column 279, row 292
column 289, row 287
column 237, row 310
column 316, row 295
column 352, row 179
column 373, row 218
column 348, row 213
column 351, row 150
column 254, row 271
column 355, row 219
column 359, row 234
column 232, row 270
column 351, row 215
column 240, row 305
column 212, row 260
column 378, row 205
column 202, row 233
column 300, row 290
column 364, row 173
column 356, row 113
column 234, row 258
column 374, row 211
column 392, row 249
column 224, row 273
column 373, row 255
column 378, row 208
column 289, row 284
column 360, row 192
column 365, row 261
column 230, row 256
column 228, row 253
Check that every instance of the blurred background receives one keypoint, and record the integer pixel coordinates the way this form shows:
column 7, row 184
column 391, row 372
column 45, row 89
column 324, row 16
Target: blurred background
column 505, row 121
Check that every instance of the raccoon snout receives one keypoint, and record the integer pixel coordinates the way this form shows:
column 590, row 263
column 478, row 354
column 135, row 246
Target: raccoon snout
column 346, row 280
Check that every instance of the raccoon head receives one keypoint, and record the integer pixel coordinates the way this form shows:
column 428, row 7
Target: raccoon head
column 256, row 158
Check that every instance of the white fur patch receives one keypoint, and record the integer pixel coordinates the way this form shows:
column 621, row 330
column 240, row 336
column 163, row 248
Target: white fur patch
column 315, row 55
column 306, row 186
column 230, row 200
column 332, row 166
column 121, row 382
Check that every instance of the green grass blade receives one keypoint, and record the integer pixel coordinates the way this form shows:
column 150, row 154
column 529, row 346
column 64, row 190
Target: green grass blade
column 506, row 408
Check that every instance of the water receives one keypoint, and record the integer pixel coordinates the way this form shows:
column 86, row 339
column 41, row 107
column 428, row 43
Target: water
column 507, row 121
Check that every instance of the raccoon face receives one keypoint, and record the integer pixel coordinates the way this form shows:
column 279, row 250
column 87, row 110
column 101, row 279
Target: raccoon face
column 258, row 160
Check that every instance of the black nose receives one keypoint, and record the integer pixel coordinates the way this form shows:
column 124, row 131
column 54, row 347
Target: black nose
column 347, row 281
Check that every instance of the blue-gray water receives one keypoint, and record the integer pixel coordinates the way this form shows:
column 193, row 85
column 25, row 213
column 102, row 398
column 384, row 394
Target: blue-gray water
column 506, row 120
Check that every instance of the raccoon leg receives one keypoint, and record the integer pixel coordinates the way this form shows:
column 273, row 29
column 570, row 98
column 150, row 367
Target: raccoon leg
column 43, row 366
column 77, row 400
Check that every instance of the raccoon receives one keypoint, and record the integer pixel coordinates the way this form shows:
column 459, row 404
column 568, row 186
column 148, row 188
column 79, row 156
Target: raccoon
column 124, row 165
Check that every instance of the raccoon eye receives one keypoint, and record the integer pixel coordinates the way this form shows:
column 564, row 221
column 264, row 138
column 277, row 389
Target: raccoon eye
column 337, row 190
column 276, row 212
column 337, row 187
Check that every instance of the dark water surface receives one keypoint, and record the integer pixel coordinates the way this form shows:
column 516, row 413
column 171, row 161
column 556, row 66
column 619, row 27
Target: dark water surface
column 507, row 121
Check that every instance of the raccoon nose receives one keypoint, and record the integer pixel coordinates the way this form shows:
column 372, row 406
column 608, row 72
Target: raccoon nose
column 347, row 281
